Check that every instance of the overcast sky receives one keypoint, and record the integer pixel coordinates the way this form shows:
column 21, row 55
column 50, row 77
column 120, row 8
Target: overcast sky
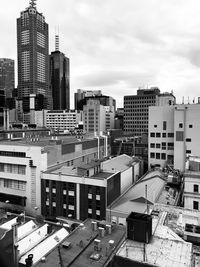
column 119, row 45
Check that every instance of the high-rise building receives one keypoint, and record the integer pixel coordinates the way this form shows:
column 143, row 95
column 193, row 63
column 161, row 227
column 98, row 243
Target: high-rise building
column 59, row 79
column 97, row 117
column 33, row 54
column 7, row 76
column 80, row 95
column 136, row 109
column 173, row 135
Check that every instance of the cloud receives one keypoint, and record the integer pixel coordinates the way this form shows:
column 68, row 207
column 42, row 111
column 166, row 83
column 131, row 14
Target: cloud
column 119, row 45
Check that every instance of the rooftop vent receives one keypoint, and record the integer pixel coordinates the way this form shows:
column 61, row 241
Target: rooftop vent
column 97, row 245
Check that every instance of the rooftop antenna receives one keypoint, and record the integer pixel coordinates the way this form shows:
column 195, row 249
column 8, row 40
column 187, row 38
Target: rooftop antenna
column 57, row 41
column 32, row 3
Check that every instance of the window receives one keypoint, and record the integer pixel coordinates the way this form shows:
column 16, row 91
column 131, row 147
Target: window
column 179, row 136
column 180, row 125
column 163, row 145
column 152, row 145
column 152, row 134
column 170, row 134
column 163, row 135
column 158, row 135
column 195, row 205
column 157, row 155
column 188, row 151
column 155, row 126
column 190, row 126
column 196, row 188
column 164, row 125
column 170, row 146
column 188, row 139
column 163, row 156
column 157, row 145
column 152, row 155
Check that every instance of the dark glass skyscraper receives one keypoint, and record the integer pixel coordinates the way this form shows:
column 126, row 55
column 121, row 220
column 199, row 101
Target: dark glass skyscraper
column 33, row 54
column 59, row 80
column 7, row 76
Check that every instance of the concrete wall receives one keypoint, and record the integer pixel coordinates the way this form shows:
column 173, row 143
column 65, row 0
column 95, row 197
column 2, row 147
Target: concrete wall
column 157, row 115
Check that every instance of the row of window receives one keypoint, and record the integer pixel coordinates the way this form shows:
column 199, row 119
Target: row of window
column 13, row 184
column 12, row 154
column 158, row 156
column 169, row 146
column 152, row 134
column 13, row 168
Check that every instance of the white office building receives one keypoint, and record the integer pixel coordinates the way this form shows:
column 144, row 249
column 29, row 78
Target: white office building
column 173, row 134
column 63, row 119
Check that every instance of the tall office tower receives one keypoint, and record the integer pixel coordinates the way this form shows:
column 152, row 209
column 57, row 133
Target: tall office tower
column 136, row 109
column 33, row 55
column 59, row 79
column 7, row 76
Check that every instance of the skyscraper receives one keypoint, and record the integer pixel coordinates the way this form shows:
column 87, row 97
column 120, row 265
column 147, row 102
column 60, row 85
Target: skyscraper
column 59, row 79
column 33, row 54
column 7, row 76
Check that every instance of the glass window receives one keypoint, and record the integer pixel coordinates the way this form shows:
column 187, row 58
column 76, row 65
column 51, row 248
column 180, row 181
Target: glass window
column 164, row 125
column 180, row 125
column 152, row 155
column 195, row 205
column 157, row 155
column 163, row 156
column 196, row 188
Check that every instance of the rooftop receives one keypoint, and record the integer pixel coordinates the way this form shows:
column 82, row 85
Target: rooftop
column 135, row 197
column 78, row 249
column 45, row 141
column 119, row 163
column 159, row 252
column 165, row 248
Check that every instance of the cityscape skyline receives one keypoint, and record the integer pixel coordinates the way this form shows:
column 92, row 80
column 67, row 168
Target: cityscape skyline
column 147, row 38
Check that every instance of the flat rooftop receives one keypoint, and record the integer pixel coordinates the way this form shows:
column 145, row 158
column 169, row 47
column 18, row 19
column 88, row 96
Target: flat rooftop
column 80, row 246
column 166, row 248
column 119, row 163
column 45, row 140
column 159, row 252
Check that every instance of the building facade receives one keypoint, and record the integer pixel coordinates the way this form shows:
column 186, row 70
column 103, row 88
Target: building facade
column 59, row 80
column 62, row 120
column 80, row 95
column 87, row 190
column 136, row 109
column 33, row 54
column 192, row 184
column 7, row 76
column 96, row 117
column 22, row 161
column 173, row 135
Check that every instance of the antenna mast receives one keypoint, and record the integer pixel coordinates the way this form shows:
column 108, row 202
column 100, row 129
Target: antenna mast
column 32, row 3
